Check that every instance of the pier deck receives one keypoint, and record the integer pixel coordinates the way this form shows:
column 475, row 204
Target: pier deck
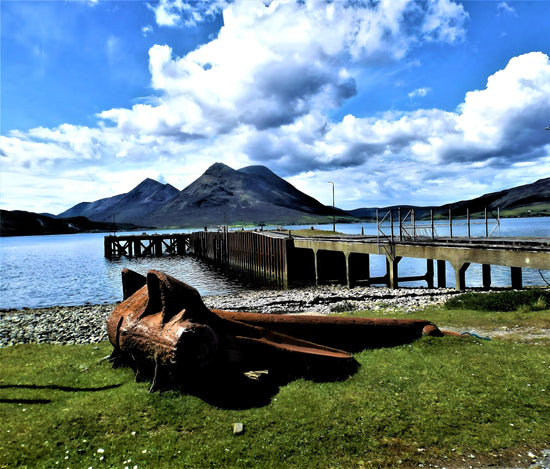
column 516, row 253
column 283, row 258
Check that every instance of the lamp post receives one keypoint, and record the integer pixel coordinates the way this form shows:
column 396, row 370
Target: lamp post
column 333, row 219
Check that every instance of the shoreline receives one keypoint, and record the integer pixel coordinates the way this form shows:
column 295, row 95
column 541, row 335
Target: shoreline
column 87, row 323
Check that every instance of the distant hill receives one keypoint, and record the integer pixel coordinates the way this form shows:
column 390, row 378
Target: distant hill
column 529, row 199
column 222, row 195
column 130, row 207
column 20, row 223
column 521, row 201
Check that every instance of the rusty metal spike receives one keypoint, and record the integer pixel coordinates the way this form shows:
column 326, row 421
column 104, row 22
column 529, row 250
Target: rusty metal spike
column 170, row 296
column 131, row 282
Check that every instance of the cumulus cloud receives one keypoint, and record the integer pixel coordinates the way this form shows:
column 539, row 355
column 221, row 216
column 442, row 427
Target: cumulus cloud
column 274, row 63
column 261, row 92
column 171, row 13
column 496, row 134
column 505, row 119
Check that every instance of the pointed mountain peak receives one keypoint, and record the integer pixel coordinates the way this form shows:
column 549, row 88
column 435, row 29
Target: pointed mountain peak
column 218, row 169
column 148, row 183
column 151, row 185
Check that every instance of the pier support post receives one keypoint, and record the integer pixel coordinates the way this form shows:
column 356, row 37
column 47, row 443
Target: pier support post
column 316, row 263
column 515, row 273
column 486, row 274
column 393, row 271
column 157, row 247
column 349, row 280
column 441, row 274
column 430, row 273
column 460, row 276
column 107, row 244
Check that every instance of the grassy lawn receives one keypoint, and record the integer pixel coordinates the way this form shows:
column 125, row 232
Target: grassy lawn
column 450, row 401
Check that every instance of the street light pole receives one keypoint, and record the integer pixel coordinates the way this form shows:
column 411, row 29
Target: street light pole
column 333, row 210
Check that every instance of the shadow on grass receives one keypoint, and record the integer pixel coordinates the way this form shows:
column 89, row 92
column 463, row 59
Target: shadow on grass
column 56, row 387
column 47, row 386
column 233, row 389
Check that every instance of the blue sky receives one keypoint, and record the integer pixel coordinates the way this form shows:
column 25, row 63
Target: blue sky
column 397, row 102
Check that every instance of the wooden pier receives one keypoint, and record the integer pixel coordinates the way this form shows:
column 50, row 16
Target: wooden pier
column 282, row 259
column 145, row 245
column 346, row 259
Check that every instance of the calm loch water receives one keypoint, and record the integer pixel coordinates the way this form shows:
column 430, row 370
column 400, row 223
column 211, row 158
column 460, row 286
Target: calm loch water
column 63, row 270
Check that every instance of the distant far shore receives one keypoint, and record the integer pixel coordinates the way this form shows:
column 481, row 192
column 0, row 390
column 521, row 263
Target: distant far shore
column 20, row 223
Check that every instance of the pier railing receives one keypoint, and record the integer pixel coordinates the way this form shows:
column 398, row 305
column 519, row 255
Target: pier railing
column 408, row 228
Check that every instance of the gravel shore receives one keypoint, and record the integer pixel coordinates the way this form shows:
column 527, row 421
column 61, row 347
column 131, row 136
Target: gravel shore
column 86, row 324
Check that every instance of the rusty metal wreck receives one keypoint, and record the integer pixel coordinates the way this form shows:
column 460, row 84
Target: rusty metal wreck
column 164, row 331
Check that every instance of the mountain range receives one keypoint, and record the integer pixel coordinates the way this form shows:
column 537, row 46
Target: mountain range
column 222, row 195
column 252, row 195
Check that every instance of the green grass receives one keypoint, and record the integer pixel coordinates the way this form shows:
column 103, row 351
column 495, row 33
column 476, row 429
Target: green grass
column 510, row 300
column 536, row 210
column 434, row 401
column 467, row 319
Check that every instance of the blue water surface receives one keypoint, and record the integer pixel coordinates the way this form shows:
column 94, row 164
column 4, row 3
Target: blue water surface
column 38, row 271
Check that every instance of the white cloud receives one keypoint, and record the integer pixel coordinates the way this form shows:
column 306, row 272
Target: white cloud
column 419, row 92
column 496, row 135
column 272, row 64
column 261, row 92
column 504, row 7
column 89, row 2
column 506, row 118
column 171, row 13
column 167, row 12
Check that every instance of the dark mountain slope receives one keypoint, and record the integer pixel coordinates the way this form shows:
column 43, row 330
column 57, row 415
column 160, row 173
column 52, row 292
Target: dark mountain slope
column 280, row 192
column 21, row 223
column 251, row 195
column 131, row 207
column 526, row 196
column 528, row 199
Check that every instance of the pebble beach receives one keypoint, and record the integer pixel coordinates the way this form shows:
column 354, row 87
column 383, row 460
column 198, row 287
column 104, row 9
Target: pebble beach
column 87, row 323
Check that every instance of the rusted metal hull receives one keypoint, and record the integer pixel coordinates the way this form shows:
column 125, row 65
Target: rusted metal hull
column 165, row 332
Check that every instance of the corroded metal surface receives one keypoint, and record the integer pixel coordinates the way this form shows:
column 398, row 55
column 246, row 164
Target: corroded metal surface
column 165, row 332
